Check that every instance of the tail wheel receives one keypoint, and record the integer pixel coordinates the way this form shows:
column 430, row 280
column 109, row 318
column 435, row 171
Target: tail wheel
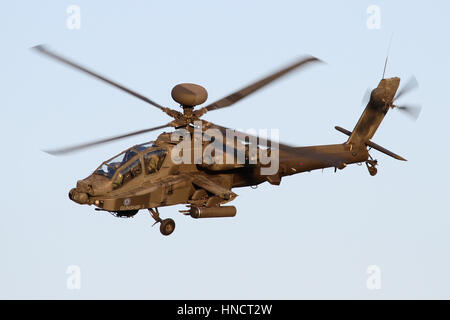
column 167, row 226
column 371, row 166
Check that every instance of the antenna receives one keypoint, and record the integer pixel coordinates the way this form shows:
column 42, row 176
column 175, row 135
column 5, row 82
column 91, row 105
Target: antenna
column 387, row 55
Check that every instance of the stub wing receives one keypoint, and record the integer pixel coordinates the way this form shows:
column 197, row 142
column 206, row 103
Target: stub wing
column 213, row 187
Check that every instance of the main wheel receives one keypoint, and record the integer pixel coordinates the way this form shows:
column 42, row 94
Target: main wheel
column 167, row 226
column 373, row 171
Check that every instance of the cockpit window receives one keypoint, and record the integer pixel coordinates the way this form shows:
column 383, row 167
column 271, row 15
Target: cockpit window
column 144, row 146
column 106, row 171
column 128, row 173
column 109, row 168
column 153, row 160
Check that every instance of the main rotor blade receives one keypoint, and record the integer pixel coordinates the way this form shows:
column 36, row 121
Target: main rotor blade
column 413, row 111
column 229, row 148
column 243, row 136
column 410, row 85
column 43, row 50
column 242, row 93
column 287, row 149
column 78, row 147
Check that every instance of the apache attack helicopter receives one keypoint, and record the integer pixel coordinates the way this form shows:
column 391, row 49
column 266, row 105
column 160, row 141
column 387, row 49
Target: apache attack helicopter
column 148, row 175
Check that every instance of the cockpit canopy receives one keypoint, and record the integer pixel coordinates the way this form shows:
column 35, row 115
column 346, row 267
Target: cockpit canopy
column 128, row 164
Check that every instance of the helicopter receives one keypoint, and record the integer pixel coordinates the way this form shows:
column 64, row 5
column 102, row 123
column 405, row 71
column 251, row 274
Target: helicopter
column 150, row 175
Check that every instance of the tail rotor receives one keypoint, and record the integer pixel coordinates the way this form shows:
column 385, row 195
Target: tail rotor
column 410, row 110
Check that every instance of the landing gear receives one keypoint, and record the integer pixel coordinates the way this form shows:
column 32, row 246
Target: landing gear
column 167, row 225
column 371, row 166
column 373, row 171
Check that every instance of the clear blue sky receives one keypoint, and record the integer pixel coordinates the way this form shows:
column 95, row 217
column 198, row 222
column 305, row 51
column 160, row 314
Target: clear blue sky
column 330, row 226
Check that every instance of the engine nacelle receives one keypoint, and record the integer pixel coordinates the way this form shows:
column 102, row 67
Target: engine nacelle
column 213, row 212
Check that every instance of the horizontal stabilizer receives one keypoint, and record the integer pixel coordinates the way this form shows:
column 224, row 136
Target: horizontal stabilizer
column 373, row 145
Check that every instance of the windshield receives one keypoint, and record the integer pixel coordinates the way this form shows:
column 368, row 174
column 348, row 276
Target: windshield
column 109, row 168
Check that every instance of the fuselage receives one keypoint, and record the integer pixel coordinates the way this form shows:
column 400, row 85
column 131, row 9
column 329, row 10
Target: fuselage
column 150, row 175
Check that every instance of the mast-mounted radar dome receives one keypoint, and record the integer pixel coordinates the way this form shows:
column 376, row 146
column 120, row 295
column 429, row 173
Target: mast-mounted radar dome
column 189, row 94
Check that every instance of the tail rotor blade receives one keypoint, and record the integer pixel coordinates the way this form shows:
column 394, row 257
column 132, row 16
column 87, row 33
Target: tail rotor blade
column 366, row 97
column 413, row 111
column 409, row 86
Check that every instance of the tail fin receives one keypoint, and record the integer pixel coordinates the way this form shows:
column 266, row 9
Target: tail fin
column 381, row 100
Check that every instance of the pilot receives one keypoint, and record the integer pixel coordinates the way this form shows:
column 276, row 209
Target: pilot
column 152, row 165
column 136, row 170
column 113, row 167
column 118, row 181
